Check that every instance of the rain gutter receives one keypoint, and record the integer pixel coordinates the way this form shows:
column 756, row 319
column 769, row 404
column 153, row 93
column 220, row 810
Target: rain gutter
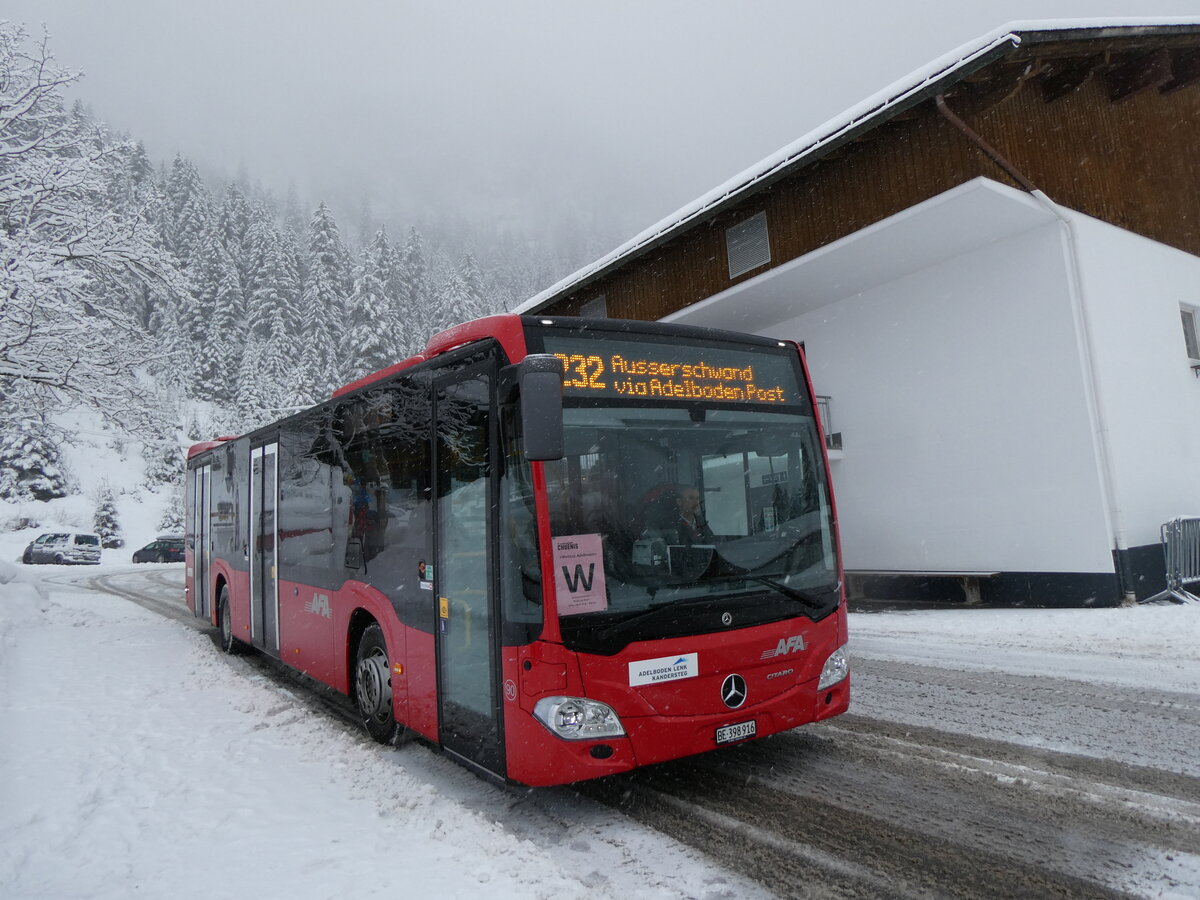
column 1084, row 342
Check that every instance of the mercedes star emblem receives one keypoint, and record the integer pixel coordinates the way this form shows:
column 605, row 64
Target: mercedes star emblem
column 733, row 691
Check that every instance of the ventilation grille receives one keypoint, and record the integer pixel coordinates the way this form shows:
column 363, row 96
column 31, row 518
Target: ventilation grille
column 596, row 308
column 747, row 245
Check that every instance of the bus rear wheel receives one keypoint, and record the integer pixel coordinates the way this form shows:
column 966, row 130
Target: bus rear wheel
column 373, row 686
column 229, row 644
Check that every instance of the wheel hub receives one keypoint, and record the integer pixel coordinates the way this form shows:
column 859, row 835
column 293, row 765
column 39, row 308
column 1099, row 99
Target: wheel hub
column 374, row 698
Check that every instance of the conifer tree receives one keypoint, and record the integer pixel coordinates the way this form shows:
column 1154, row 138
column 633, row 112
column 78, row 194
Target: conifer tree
column 233, row 222
column 452, row 300
column 174, row 360
column 295, row 269
column 165, row 461
column 323, row 323
column 475, row 302
column 388, row 265
column 367, row 344
column 189, row 212
column 105, row 521
column 31, row 466
column 222, row 355
column 252, row 397
column 270, row 298
column 416, row 302
column 213, row 321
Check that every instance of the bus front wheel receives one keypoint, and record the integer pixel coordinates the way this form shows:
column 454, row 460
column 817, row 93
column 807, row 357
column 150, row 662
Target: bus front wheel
column 373, row 686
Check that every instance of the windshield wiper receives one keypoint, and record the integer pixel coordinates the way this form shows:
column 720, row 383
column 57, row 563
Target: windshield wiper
column 657, row 609
column 804, row 597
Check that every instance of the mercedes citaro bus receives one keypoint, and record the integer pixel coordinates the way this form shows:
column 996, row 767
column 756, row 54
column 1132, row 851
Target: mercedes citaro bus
column 552, row 548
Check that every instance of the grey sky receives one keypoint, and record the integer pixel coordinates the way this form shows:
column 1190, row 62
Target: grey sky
column 615, row 112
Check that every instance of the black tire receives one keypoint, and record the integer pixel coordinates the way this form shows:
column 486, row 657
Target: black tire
column 59, row 559
column 373, row 687
column 27, row 558
column 226, row 641
column 162, row 558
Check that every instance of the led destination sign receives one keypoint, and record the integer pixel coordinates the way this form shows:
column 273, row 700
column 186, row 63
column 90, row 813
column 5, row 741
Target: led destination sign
column 661, row 371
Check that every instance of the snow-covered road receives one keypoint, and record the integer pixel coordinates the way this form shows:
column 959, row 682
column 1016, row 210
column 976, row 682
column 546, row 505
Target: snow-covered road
column 136, row 759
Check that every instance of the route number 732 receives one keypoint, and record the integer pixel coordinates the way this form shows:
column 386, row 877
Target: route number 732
column 582, row 371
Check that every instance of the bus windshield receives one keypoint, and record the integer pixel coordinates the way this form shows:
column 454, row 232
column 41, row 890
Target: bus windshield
column 680, row 520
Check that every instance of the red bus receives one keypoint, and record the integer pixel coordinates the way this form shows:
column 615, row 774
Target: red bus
column 553, row 548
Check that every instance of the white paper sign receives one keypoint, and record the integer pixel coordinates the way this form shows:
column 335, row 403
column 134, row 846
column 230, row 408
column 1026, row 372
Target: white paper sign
column 579, row 574
column 665, row 668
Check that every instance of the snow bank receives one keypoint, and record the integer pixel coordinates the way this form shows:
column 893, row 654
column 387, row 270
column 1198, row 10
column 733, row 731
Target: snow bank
column 1142, row 645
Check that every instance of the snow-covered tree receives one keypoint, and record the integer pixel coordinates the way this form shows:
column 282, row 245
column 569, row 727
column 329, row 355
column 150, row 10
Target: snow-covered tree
column 475, row 301
column 105, row 521
column 326, row 290
column 368, row 342
column 233, row 220
column 388, row 265
column 61, row 242
column 172, row 519
column 165, row 461
column 453, row 304
column 188, row 214
column 31, row 466
column 416, row 301
column 213, row 322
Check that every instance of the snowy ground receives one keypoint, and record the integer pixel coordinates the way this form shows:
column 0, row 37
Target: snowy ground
column 136, row 759
column 1155, row 646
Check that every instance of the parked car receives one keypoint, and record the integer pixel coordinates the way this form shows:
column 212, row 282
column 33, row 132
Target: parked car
column 63, row 548
column 165, row 549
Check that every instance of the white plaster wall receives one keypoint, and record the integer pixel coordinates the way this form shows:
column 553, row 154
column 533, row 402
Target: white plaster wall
column 1132, row 289
column 959, row 393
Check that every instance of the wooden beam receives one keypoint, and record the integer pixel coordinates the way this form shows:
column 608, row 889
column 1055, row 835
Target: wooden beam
column 1131, row 77
column 1185, row 68
column 1061, row 77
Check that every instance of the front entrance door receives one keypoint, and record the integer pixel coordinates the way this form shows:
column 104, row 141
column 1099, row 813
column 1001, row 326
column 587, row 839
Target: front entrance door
column 469, row 708
column 264, row 538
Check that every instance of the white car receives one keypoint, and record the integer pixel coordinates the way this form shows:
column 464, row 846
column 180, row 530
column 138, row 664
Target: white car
column 63, row 548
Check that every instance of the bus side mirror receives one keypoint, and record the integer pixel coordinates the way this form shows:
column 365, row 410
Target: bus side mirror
column 540, row 379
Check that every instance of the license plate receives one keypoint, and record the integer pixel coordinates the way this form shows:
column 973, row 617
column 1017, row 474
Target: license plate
column 739, row 732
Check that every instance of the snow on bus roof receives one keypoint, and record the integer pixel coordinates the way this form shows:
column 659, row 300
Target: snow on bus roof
column 942, row 69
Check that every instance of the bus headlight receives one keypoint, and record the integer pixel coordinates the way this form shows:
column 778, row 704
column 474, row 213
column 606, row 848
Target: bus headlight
column 577, row 719
column 835, row 669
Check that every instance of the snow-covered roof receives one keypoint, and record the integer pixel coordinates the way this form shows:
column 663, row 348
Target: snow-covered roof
column 941, row 71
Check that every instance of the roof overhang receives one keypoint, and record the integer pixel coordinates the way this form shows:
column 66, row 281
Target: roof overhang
column 936, row 77
column 967, row 217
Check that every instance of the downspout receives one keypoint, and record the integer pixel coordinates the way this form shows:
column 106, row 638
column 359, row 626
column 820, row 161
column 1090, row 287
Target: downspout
column 1083, row 332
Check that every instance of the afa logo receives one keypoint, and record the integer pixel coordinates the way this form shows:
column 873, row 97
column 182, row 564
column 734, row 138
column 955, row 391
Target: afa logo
column 793, row 644
column 319, row 605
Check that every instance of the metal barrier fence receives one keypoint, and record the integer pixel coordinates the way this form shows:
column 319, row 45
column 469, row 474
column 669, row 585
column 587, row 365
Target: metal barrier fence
column 1181, row 548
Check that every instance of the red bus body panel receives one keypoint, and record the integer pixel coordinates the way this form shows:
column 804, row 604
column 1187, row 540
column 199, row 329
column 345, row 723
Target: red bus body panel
column 676, row 718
